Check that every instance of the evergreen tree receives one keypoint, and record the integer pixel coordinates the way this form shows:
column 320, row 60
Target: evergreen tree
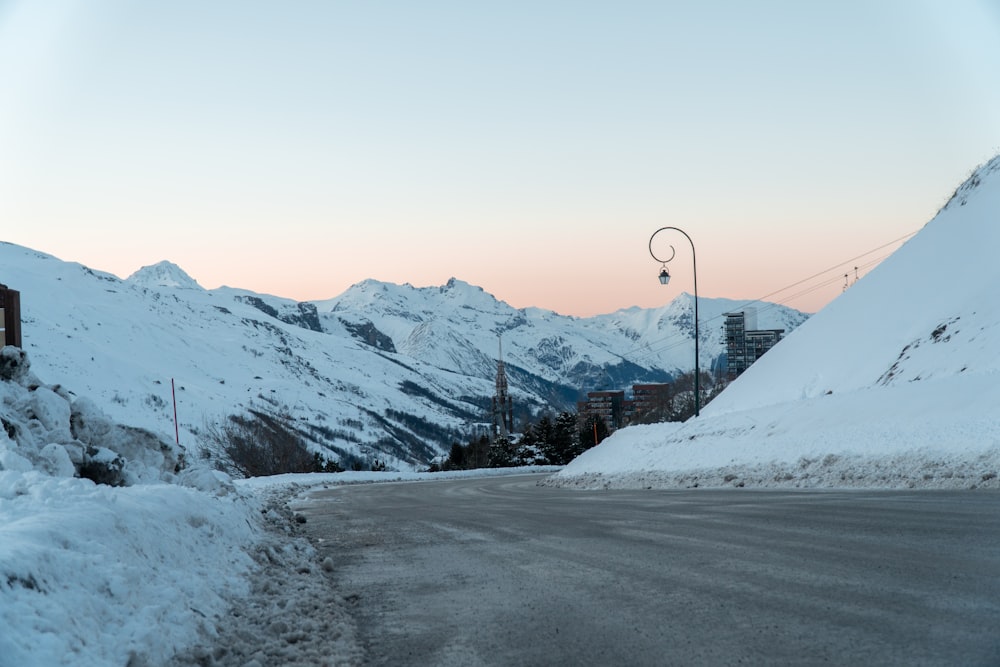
column 502, row 454
column 565, row 438
column 545, row 437
column 478, row 454
column 456, row 457
column 528, row 452
column 528, row 437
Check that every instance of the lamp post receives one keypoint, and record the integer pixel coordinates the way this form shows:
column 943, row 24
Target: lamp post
column 664, row 279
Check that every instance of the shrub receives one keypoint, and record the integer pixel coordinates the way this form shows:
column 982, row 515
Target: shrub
column 262, row 442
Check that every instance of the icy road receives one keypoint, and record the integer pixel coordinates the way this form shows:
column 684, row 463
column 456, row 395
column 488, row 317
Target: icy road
column 503, row 572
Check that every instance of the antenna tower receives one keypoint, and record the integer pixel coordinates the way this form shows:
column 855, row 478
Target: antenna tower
column 503, row 406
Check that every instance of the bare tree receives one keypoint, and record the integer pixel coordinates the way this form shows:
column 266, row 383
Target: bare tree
column 262, row 442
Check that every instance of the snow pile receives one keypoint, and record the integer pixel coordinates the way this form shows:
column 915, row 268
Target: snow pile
column 912, row 436
column 293, row 615
column 894, row 384
column 45, row 427
column 129, row 571
column 91, row 574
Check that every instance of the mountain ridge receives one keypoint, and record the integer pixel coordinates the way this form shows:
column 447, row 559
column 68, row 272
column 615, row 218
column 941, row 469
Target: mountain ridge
column 384, row 371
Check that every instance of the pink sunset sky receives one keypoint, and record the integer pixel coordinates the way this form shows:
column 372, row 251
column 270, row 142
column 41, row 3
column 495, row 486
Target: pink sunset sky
column 529, row 148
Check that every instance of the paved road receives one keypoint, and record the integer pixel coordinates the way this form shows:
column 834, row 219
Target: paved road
column 502, row 572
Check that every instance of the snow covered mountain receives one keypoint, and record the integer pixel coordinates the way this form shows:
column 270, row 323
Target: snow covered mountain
column 163, row 274
column 895, row 383
column 459, row 327
column 927, row 314
column 382, row 371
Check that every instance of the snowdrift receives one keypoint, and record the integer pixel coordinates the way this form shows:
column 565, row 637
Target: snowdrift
column 894, row 384
column 101, row 560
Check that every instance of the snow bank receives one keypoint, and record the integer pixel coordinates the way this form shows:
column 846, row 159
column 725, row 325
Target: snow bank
column 298, row 480
column 894, row 384
column 125, row 572
column 922, row 435
column 92, row 574
column 45, row 427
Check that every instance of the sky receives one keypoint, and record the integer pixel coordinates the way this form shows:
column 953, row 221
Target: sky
column 528, row 148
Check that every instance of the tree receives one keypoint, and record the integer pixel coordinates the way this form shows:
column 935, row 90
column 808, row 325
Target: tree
column 565, row 438
column 478, row 454
column 456, row 458
column 528, row 436
column 321, row 464
column 528, row 451
column 502, row 453
column 263, row 442
column 545, row 438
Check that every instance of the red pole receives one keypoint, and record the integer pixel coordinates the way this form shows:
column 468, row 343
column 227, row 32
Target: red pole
column 173, row 392
column 595, row 432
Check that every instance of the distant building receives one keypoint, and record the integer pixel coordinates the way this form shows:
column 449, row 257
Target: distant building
column 608, row 405
column 745, row 343
column 10, row 317
column 650, row 402
column 503, row 405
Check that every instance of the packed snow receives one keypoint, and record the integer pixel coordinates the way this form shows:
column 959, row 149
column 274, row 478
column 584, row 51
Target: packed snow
column 123, row 572
column 168, row 562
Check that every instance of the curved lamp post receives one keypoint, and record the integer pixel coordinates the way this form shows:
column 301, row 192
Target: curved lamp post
column 664, row 279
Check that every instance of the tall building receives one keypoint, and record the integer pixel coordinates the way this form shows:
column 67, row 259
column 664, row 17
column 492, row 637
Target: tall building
column 650, row 402
column 745, row 343
column 503, row 405
column 609, row 405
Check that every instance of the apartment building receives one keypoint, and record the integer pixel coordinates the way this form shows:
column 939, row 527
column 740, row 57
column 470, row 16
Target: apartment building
column 745, row 343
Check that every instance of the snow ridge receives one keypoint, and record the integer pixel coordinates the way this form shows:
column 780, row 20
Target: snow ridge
column 892, row 384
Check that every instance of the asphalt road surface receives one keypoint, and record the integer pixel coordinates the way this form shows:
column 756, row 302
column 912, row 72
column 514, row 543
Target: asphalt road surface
column 500, row 571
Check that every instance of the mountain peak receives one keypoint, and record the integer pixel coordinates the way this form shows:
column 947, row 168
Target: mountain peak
column 163, row 274
column 457, row 284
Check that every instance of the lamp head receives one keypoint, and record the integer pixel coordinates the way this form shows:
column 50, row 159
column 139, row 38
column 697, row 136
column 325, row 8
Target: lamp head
column 664, row 276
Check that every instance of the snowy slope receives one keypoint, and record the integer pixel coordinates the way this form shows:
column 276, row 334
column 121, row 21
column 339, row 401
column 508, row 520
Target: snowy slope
column 123, row 341
column 383, row 371
column 897, row 382
column 928, row 312
column 163, row 274
column 458, row 326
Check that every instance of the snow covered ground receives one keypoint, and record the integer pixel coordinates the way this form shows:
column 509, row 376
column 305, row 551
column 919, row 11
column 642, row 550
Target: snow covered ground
column 95, row 575
column 934, row 436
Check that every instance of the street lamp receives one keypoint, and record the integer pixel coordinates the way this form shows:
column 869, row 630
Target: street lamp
column 664, row 279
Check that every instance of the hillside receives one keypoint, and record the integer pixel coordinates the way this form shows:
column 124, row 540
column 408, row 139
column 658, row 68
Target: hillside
column 895, row 383
column 383, row 371
column 458, row 327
